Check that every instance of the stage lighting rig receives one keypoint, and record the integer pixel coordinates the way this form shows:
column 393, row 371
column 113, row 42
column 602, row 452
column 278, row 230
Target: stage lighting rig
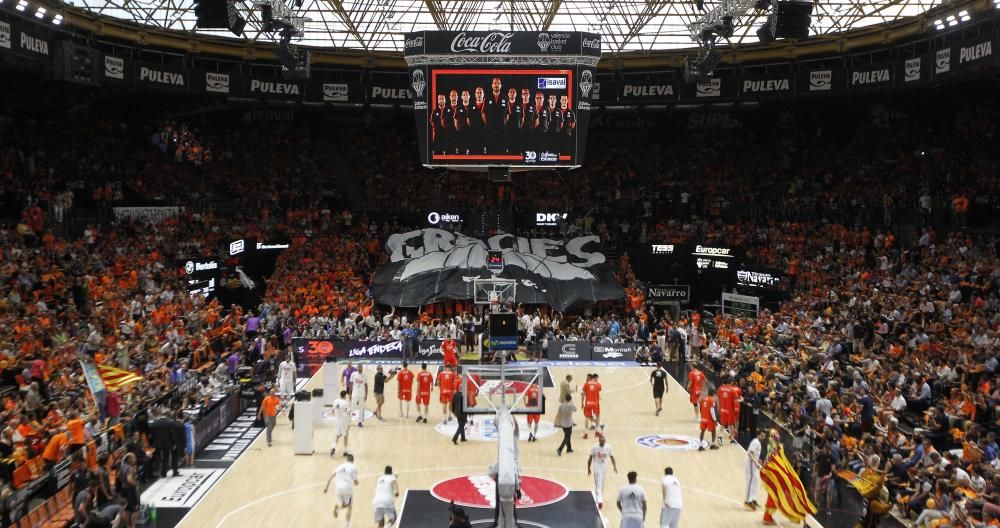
column 279, row 18
column 718, row 23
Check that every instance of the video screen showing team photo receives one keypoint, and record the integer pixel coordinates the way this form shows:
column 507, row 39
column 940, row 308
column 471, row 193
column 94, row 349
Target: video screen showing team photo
column 507, row 117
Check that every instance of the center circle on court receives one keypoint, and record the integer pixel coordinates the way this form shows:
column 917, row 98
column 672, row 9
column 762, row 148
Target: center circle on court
column 479, row 491
column 483, row 428
column 670, row 442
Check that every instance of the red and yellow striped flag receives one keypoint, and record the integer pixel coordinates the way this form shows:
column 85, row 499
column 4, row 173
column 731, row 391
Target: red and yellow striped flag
column 115, row 378
column 785, row 488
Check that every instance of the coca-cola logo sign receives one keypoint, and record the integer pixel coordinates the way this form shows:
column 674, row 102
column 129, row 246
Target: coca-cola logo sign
column 415, row 42
column 495, row 42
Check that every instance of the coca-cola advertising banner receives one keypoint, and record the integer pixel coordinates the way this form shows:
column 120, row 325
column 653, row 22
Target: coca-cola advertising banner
column 501, row 43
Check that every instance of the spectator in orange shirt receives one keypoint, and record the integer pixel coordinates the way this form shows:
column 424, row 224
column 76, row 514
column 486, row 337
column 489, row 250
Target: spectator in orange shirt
column 76, row 432
column 54, row 449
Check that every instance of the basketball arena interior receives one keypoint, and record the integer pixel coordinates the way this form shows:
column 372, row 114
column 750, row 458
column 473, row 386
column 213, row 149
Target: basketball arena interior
column 555, row 264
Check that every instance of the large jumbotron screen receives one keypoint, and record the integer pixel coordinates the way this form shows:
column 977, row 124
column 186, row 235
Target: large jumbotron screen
column 490, row 116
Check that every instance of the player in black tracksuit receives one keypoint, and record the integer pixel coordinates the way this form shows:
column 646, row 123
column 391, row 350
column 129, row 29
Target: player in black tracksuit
column 462, row 124
column 449, row 123
column 438, row 127
column 496, row 112
column 555, row 124
column 542, row 119
column 512, row 122
column 477, row 123
column 527, row 132
column 569, row 125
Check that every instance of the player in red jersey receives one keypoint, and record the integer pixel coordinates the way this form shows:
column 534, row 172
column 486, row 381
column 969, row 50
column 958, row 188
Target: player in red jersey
column 450, row 348
column 730, row 397
column 533, row 399
column 591, row 403
column 446, row 390
column 424, row 382
column 404, row 379
column 696, row 379
column 709, row 414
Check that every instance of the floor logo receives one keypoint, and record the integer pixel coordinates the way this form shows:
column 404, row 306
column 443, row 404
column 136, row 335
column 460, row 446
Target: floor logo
column 480, row 491
column 668, row 441
column 183, row 491
column 483, row 428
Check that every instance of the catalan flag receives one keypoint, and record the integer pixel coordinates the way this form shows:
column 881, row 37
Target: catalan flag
column 115, row 378
column 784, row 487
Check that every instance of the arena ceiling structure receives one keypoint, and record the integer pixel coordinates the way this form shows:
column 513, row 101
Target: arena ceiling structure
column 628, row 27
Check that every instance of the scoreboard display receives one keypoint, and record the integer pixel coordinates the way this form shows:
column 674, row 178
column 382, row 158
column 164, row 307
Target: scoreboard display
column 502, row 99
column 502, row 116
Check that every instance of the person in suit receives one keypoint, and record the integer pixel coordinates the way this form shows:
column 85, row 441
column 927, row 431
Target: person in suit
column 457, row 408
column 163, row 441
column 564, row 420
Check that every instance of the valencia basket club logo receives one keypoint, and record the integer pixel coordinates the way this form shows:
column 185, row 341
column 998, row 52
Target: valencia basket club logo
column 479, row 491
column 419, row 83
column 670, row 442
column 586, row 83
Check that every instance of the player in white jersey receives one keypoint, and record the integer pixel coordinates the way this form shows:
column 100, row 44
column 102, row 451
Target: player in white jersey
column 751, row 468
column 632, row 503
column 359, row 393
column 599, row 456
column 286, row 379
column 384, row 503
column 673, row 503
column 344, row 477
column 341, row 421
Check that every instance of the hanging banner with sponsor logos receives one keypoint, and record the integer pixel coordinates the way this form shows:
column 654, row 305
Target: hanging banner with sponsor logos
column 274, row 88
column 430, row 265
column 391, row 89
column 975, row 52
column 767, row 85
column 913, row 71
column 118, row 69
column 668, row 293
column 320, row 91
column 711, row 89
column 643, row 91
column 161, row 77
column 30, row 42
column 501, row 43
column 820, row 81
column 870, row 76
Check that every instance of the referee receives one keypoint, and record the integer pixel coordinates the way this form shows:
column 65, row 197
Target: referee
column 658, row 379
column 379, row 389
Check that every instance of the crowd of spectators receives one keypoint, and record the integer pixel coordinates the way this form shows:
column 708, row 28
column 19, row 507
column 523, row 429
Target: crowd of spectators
column 886, row 346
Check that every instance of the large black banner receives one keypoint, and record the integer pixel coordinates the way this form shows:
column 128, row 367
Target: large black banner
column 431, row 265
column 501, row 43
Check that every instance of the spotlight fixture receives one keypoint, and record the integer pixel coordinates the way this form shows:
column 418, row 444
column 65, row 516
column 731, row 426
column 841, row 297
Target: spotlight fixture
column 21, row 5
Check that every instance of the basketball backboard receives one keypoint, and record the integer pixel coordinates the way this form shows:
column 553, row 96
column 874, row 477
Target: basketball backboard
column 487, row 388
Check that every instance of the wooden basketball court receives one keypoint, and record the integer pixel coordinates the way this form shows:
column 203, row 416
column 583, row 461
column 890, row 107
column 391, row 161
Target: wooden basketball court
column 270, row 486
